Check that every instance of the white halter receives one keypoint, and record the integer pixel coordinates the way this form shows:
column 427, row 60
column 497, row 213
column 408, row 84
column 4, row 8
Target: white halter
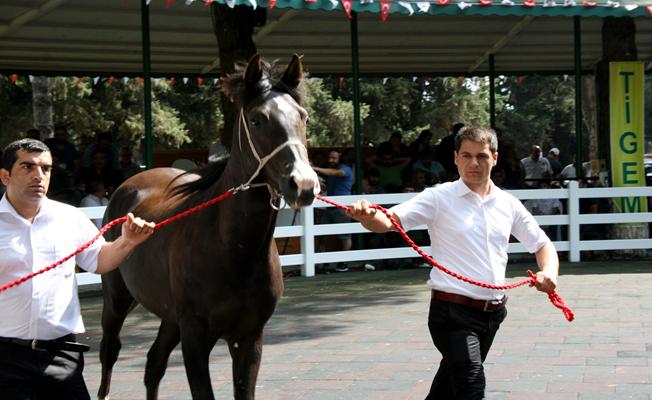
column 261, row 161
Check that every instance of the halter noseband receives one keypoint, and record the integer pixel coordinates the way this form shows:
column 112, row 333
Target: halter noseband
column 261, row 161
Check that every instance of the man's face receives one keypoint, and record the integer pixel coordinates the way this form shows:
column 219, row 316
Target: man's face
column 99, row 160
column 60, row 135
column 333, row 159
column 474, row 162
column 29, row 178
column 536, row 152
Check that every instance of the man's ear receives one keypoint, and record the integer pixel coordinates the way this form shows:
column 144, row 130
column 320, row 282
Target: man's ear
column 4, row 176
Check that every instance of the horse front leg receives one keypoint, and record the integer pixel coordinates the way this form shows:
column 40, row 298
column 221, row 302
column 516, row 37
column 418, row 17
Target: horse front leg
column 246, row 354
column 157, row 357
column 196, row 345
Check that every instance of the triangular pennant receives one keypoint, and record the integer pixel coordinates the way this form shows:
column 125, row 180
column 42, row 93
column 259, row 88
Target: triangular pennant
column 95, row 80
column 569, row 3
column 443, row 2
column 462, row 5
column 168, row 4
column 423, row 6
column 310, row 1
column 549, row 3
column 272, row 4
column 529, row 3
column 347, row 7
column 384, row 10
column 230, row 3
column 649, row 9
column 147, row 2
column 13, row 78
column 507, row 2
column 208, row 3
column 631, row 7
column 486, row 2
column 215, row 80
column 253, row 3
column 185, row 80
column 200, row 80
column 613, row 4
column 110, row 80
column 125, row 79
column 589, row 3
column 189, row 2
column 407, row 6
column 30, row 78
column 334, row 4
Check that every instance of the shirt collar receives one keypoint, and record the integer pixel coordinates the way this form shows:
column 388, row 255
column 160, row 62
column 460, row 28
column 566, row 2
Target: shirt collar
column 462, row 190
column 6, row 207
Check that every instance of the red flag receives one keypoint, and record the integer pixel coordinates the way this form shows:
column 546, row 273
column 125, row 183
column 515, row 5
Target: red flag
column 529, row 3
column 384, row 10
column 110, row 80
column 590, row 3
column 169, row 3
column 486, row 2
column 208, row 3
column 310, row 1
column 341, row 82
column 649, row 9
column 443, row 2
column 200, row 80
column 13, row 78
column 272, row 4
column 347, row 7
column 520, row 79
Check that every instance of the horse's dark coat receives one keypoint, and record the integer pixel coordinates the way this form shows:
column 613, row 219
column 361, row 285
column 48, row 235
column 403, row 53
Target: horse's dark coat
column 216, row 273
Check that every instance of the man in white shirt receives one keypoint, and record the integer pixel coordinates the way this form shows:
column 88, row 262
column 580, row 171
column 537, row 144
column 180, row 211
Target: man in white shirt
column 39, row 357
column 536, row 167
column 469, row 222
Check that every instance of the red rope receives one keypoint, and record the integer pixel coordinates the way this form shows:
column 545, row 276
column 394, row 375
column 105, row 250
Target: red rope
column 110, row 225
column 555, row 299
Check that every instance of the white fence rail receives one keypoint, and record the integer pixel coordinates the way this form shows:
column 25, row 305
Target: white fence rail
column 307, row 230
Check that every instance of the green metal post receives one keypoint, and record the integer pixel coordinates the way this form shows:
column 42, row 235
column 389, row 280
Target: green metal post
column 492, row 91
column 357, row 142
column 577, row 31
column 147, row 87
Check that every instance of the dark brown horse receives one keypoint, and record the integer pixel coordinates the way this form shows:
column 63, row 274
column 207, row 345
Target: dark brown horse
column 216, row 273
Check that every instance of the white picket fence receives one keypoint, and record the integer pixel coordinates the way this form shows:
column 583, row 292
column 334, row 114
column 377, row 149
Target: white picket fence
column 307, row 230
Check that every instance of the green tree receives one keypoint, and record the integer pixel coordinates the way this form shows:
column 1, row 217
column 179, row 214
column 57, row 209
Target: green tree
column 15, row 109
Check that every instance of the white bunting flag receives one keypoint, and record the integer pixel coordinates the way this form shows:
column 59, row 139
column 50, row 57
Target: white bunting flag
column 406, row 5
column 423, row 6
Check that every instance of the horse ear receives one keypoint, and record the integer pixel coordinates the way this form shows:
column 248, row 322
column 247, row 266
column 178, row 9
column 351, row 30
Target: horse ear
column 294, row 73
column 254, row 71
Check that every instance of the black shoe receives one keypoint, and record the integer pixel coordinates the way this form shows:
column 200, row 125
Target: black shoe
column 341, row 268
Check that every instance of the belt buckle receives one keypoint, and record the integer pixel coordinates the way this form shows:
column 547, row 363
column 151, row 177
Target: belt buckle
column 491, row 302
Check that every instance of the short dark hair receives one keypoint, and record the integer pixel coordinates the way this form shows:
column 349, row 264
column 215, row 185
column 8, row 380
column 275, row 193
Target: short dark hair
column 477, row 134
column 9, row 154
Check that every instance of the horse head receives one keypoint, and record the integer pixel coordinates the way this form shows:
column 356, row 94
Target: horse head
column 270, row 136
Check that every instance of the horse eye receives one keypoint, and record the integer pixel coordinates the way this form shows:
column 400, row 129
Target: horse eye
column 255, row 122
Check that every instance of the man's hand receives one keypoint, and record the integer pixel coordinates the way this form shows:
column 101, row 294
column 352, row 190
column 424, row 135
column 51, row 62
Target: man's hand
column 136, row 230
column 545, row 281
column 361, row 211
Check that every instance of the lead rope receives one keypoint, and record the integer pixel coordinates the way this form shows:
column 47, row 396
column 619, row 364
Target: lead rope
column 554, row 298
column 226, row 195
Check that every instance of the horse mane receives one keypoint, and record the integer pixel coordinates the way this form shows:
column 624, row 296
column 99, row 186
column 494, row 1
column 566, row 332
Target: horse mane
column 235, row 88
column 208, row 174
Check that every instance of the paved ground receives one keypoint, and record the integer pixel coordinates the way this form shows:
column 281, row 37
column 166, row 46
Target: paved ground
column 363, row 335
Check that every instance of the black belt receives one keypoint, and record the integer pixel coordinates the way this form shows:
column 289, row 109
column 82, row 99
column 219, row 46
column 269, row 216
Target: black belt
column 61, row 343
column 484, row 305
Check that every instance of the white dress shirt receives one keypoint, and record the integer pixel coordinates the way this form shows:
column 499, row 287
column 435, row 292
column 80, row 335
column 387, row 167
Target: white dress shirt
column 470, row 235
column 46, row 306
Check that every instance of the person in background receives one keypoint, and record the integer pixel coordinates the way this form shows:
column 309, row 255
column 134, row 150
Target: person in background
column 63, row 150
column 553, row 160
column 391, row 170
column 33, row 133
column 101, row 171
column 420, row 144
column 39, row 355
column 470, row 222
column 95, row 197
column 394, row 145
column 433, row 169
column 128, row 166
column 445, row 151
column 104, row 142
column 535, row 167
column 339, row 181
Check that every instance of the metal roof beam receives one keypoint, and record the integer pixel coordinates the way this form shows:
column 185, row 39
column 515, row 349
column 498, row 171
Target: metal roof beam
column 502, row 42
column 29, row 16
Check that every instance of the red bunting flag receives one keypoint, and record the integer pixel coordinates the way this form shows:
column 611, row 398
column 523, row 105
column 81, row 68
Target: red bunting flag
column 341, row 82
column 272, row 4
column 443, row 2
column 13, row 78
column 384, row 10
column 110, row 80
column 200, row 80
column 171, row 81
column 169, row 3
column 208, row 3
column 590, row 3
column 520, row 79
column 486, row 2
column 347, row 7
column 529, row 3
column 141, row 80
column 649, row 9
column 310, row 1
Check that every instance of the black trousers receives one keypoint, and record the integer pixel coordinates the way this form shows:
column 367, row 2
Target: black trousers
column 463, row 335
column 27, row 374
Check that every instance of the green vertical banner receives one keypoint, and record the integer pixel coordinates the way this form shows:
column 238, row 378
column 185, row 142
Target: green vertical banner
column 626, row 86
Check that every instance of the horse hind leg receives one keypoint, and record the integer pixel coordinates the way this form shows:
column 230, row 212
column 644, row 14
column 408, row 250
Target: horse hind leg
column 246, row 355
column 157, row 358
column 118, row 302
